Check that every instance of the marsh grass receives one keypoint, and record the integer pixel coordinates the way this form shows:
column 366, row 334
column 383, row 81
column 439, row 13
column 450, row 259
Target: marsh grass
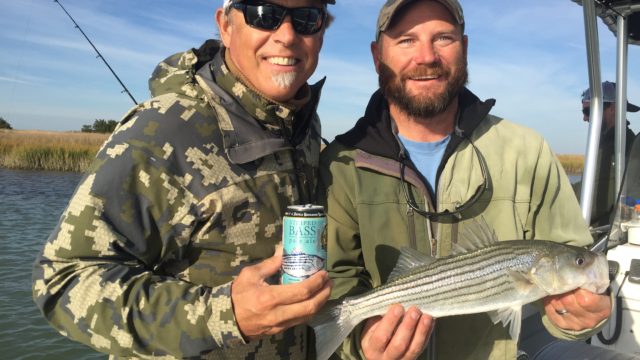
column 74, row 151
column 572, row 164
column 54, row 151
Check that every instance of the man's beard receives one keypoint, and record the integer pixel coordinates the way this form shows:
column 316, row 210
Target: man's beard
column 284, row 80
column 424, row 105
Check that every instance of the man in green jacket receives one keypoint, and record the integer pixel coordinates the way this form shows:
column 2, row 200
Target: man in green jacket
column 424, row 162
column 165, row 250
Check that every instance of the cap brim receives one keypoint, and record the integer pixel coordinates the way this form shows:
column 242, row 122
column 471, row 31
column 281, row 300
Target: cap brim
column 632, row 108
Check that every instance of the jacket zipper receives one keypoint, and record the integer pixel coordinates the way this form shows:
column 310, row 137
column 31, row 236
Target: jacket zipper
column 412, row 228
column 304, row 197
column 431, row 235
column 304, row 193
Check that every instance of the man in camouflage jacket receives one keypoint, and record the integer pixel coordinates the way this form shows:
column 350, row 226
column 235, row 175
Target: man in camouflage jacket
column 163, row 251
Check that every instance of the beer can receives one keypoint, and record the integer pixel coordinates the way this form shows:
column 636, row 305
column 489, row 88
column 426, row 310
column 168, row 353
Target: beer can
column 304, row 242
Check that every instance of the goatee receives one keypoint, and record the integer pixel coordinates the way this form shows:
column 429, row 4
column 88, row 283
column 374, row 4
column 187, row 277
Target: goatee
column 424, row 105
column 284, row 80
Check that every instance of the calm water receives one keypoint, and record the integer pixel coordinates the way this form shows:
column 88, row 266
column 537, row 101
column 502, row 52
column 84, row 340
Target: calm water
column 31, row 203
column 575, row 178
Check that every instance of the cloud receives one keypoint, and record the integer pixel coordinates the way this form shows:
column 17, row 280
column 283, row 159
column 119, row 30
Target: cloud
column 14, row 80
column 346, row 92
column 544, row 97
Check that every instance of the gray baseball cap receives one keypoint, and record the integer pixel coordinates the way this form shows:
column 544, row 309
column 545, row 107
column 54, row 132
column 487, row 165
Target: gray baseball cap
column 608, row 96
column 391, row 7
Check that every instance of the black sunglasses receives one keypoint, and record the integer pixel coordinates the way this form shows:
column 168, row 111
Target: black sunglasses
column 587, row 110
column 458, row 208
column 267, row 16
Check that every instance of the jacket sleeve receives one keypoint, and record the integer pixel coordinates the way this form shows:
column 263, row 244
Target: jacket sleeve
column 555, row 215
column 99, row 278
column 337, row 191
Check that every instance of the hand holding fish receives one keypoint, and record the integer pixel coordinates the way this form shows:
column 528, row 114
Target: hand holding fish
column 577, row 310
column 262, row 309
column 397, row 335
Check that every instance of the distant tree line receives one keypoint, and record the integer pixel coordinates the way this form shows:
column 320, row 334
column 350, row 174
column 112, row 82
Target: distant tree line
column 4, row 124
column 100, row 126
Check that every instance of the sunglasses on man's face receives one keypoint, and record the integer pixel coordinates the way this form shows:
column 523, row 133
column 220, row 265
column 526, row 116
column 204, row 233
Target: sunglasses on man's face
column 267, row 16
column 587, row 110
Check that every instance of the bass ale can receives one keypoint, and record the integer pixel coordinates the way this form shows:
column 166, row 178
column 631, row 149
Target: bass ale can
column 304, row 242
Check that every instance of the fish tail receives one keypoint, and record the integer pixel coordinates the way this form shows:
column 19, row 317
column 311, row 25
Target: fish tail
column 331, row 326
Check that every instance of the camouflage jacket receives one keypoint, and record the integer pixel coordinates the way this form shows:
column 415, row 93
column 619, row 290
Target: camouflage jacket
column 189, row 189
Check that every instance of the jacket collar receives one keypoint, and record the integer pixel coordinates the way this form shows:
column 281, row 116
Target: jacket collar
column 248, row 137
column 375, row 132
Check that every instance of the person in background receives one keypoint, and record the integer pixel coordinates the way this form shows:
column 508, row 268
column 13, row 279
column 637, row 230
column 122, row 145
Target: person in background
column 605, row 184
column 426, row 161
column 165, row 249
column 632, row 175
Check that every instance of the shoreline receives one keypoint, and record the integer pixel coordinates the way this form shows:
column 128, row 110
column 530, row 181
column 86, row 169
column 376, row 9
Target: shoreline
column 74, row 151
column 48, row 150
column 573, row 164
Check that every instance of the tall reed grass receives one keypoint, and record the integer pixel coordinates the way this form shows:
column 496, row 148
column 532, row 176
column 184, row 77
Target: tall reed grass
column 74, row 151
column 572, row 164
column 54, row 151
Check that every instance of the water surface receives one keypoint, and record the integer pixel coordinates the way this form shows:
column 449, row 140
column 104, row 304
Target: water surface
column 31, row 203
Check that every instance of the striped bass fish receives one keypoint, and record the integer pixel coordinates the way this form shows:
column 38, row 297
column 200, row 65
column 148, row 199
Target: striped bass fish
column 496, row 277
column 301, row 265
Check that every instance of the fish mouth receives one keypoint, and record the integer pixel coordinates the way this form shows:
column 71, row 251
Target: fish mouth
column 598, row 276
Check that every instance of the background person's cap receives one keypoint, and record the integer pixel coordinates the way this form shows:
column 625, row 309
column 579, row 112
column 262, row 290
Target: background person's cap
column 391, row 7
column 608, row 96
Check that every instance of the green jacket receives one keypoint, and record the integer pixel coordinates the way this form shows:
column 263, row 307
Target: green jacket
column 528, row 196
column 189, row 189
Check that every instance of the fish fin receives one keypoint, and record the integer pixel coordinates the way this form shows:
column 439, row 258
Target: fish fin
column 331, row 326
column 509, row 316
column 542, row 264
column 520, row 281
column 475, row 234
column 409, row 259
column 457, row 249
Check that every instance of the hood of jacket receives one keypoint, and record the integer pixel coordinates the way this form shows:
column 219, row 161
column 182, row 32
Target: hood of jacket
column 246, row 139
column 376, row 133
column 176, row 74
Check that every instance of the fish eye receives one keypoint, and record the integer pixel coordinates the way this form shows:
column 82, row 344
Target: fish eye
column 580, row 261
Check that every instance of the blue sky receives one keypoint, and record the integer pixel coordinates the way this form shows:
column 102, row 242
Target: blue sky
column 527, row 54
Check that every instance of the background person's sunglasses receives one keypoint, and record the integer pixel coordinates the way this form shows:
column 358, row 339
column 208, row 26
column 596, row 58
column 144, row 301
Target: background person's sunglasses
column 586, row 110
column 267, row 16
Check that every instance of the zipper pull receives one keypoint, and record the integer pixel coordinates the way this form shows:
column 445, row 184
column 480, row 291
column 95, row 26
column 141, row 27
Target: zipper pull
column 409, row 211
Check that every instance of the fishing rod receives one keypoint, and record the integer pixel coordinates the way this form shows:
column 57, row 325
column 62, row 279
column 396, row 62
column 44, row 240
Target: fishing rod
column 98, row 52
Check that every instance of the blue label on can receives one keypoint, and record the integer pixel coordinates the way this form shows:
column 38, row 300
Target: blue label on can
column 304, row 248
